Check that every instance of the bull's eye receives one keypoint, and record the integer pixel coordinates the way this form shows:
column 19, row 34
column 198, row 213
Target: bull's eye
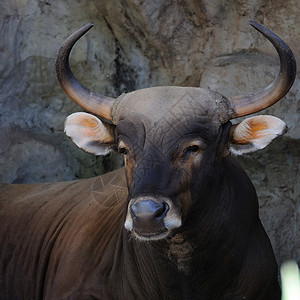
column 192, row 148
column 123, row 151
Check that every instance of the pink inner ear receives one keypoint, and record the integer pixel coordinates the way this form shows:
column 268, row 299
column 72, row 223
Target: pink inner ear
column 258, row 128
column 251, row 131
column 87, row 131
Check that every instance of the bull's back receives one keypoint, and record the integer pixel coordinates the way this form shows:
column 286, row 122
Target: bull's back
column 39, row 223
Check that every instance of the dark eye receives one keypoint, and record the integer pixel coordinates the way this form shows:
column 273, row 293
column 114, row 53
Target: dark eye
column 123, row 151
column 192, row 148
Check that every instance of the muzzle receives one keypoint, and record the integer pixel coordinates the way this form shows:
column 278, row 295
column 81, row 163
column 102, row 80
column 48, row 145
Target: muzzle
column 152, row 218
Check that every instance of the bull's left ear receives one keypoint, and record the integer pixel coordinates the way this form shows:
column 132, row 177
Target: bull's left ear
column 255, row 133
column 89, row 133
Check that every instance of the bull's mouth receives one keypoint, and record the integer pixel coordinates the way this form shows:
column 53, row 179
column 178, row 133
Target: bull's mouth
column 149, row 231
column 151, row 236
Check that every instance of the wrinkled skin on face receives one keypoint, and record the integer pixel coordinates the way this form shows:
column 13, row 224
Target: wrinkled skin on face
column 163, row 143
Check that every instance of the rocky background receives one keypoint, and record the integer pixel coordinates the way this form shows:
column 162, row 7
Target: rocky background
column 136, row 44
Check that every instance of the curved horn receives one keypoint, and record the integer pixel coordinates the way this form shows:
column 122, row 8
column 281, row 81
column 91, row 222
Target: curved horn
column 251, row 103
column 92, row 102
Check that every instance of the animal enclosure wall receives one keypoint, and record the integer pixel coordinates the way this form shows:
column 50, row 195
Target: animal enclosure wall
column 136, row 44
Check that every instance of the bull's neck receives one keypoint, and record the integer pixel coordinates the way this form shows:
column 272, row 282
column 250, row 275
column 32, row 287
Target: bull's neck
column 158, row 269
column 172, row 268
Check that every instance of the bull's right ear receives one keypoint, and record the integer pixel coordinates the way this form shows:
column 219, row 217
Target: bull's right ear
column 255, row 133
column 89, row 133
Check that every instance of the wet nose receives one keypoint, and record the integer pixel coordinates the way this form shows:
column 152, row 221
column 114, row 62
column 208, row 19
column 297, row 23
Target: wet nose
column 148, row 211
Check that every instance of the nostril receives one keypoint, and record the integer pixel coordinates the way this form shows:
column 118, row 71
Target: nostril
column 162, row 210
column 147, row 210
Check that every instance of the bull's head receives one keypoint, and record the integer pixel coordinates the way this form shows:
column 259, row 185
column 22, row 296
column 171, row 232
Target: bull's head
column 165, row 134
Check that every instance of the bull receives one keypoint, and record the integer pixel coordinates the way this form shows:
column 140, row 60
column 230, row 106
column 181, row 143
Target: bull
column 179, row 221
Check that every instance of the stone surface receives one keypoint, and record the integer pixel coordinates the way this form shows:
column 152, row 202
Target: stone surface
column 136, row 44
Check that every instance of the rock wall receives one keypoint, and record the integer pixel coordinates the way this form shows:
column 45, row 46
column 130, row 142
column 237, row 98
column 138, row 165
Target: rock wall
column 136, row 44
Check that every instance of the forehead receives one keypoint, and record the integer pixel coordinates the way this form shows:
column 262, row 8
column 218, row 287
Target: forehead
column 166, row 106
column 164, row 136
